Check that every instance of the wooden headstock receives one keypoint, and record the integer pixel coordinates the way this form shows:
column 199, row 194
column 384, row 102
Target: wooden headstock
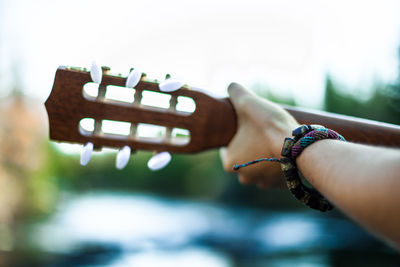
column 212, row 124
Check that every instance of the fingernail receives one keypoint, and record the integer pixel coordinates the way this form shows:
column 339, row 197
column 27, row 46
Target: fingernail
column 235, row 89
column 232, row 87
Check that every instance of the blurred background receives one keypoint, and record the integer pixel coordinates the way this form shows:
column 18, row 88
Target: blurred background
column 339, row 56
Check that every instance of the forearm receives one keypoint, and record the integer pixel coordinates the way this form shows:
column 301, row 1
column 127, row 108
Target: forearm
column 362, row 181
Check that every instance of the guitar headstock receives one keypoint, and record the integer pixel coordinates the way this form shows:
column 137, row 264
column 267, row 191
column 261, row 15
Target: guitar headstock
column 210, row 123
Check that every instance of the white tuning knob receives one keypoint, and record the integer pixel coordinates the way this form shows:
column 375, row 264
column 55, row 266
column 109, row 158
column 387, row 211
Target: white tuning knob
column 159, row 161
column 133, row 78
column 170, row 85
column 86, row 153
column 123, row 157
column 96, row 72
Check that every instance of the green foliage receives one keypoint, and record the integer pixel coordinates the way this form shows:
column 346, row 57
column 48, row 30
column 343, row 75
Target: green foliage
column 382, row 106
column 263, row 91
column 198, row 176
column 187, row 175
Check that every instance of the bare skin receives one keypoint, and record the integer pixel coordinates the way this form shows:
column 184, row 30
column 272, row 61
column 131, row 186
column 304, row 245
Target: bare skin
column 363, row 181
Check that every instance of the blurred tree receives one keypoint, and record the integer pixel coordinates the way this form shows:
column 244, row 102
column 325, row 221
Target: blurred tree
column 22, row 164
column 384, row 105
column 263, row 90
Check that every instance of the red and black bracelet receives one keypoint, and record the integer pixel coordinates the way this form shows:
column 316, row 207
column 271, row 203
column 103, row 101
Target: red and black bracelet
column 303, row 136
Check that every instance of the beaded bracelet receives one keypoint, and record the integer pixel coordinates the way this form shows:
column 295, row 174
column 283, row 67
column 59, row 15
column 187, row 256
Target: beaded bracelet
column 303, row 136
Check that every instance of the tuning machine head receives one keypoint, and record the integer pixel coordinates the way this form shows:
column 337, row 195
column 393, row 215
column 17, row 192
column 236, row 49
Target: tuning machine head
column 123, row 157
column 170, row 84
column 96, row 72
column 159, row 161
column 86, row 153
column 133, row 78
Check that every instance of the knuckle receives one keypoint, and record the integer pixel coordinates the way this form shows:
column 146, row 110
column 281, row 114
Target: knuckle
column 244, row 180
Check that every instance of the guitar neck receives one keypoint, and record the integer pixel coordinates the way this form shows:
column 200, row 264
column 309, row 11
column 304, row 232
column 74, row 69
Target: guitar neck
column 353, row 129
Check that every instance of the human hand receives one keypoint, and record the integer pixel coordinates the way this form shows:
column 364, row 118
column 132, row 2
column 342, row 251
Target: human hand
column 262, row 128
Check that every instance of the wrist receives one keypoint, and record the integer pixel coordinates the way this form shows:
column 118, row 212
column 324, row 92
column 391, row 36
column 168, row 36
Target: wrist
column 276, row 135
column 302, row 137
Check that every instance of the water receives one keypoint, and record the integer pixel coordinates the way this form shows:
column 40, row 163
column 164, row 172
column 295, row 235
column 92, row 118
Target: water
column 114, row 229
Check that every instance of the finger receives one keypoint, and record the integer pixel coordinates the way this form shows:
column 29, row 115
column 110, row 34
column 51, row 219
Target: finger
column 222, row 153
column 226, row 162
column 247, row 104
column 239, row 96
column 244, row 180
column 262, row 185
column 237, row 91
column 266, row 183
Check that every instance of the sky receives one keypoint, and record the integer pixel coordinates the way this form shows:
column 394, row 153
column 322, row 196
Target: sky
column 287, row 46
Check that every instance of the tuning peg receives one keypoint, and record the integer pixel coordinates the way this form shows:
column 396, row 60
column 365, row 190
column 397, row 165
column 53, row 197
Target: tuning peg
column 96, row 72
column 105, row 70
column 86, row 153
column 170, row 85
column 159, row 161
column 123, row 157
column 133, row 78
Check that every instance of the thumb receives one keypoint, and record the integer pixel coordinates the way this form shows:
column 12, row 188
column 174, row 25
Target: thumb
column 237, row 91
column 259, row 110
column 240, row 97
